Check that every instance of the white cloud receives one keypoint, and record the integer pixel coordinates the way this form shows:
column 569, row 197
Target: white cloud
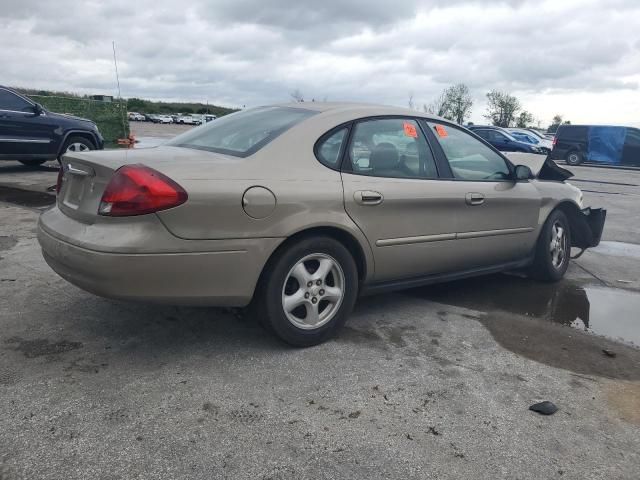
column 576, row 57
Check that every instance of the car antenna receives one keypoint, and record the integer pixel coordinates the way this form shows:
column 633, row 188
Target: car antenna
column 130, row 141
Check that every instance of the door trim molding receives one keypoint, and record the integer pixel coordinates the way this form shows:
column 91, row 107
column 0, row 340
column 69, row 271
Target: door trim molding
column 493, row 233
column 24, row 140
column 390, row 242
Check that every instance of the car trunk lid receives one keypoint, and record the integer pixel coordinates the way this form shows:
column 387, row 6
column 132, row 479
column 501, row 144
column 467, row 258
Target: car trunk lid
column 86, row 175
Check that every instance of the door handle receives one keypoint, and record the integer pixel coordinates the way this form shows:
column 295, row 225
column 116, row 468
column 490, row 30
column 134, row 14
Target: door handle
column 474, row 198
column 368, row 197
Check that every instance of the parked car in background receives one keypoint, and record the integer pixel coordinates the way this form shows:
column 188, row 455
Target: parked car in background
column 503, row 140
column 209, row 117
column 136, row 117
column 603, row 144
column 189, row 120
column 525, row 135
column 306, row 206
column 32, row 135
column 165, row 119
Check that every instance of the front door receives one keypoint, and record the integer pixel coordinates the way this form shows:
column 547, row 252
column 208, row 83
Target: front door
column 22, row 132
column 496, row 217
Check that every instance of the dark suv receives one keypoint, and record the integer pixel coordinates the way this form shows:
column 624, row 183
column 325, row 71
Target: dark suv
column 33, row 135
column 502, row 140
column 604, row 144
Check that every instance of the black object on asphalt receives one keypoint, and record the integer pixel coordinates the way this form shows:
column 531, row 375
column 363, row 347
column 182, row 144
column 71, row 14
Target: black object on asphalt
column 609, row 353
column 544, row 408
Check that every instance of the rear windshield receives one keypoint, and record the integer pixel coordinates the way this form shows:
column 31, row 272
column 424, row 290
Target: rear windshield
column 243, row 133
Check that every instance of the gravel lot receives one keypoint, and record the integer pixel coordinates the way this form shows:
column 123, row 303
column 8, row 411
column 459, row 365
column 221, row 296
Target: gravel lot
column 426, row 383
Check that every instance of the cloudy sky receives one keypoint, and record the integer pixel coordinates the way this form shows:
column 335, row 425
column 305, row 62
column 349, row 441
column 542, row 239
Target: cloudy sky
column 579, row 58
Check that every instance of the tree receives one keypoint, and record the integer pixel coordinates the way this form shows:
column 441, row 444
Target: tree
column 524, row 119
column 411, row 103
column 297, row 95
column 556, row 122
column 502, row 108
column 439, row 106
column 454, row 103
column 459, row 101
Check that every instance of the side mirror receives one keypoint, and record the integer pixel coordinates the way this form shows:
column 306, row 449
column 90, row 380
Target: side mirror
column 37, row 109
column 507, row 140
column 523, row 172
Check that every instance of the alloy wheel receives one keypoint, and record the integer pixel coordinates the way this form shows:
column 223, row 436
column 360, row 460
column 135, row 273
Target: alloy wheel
column 558, row 245
column 77, row 147
column 313, row 291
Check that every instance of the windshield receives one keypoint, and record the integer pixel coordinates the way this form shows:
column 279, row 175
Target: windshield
column 243, row 133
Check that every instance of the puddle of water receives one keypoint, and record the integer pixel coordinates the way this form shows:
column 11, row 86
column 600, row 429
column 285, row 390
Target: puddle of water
column 26, row 198
column 604, row 311
column 147, row 142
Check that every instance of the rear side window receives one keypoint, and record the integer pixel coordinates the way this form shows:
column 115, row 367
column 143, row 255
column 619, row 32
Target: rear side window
column 10, row 101
column 578, row 134
column 243, row 133
column 469, row 158
column 391, row 147
column 329, row 148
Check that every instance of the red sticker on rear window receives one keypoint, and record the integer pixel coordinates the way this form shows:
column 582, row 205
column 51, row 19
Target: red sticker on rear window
column 410, row 130
column 442, row 132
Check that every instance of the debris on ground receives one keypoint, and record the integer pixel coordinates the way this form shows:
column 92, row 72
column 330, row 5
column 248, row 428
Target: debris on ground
column 544, row 408
column 609, row 353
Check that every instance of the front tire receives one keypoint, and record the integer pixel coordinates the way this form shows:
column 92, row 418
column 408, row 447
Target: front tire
column 553, row 249
column 308, row 291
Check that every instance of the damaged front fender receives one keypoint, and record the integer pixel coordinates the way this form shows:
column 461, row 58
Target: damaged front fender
column 586, row 226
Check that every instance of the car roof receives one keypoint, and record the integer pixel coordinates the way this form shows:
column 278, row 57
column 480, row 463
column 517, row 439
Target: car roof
column 358, row 109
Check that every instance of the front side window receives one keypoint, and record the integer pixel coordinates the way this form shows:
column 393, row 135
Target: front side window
column 243, row 133
column 391, row 147
column 10, row 101
column 571, row 133
column 329, row 148
column 469, row 158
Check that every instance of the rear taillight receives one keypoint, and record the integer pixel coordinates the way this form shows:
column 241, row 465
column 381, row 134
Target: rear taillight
column 555, row 140
column 138, row 190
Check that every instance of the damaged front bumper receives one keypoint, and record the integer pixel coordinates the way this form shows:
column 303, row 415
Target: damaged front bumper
column 587, row 227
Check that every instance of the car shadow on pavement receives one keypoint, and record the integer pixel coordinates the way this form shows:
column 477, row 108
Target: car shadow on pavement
column 149, row 330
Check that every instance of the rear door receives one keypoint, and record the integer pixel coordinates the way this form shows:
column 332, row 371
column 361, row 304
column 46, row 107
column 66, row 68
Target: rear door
column 495, row 216
column 22, row 132
column 392, row 192
column 631, row 150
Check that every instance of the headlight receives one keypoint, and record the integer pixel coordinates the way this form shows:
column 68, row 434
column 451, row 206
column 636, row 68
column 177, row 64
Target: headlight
column 536, row 150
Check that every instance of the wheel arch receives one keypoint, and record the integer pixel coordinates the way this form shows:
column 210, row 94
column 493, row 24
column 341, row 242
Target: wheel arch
column 77, row 133
column 581, row 234
column 364, row 263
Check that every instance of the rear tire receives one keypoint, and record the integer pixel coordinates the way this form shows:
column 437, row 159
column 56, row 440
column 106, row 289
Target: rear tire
column 32, row 163
column 307, row 291
column 574, row 158
column 553, row 249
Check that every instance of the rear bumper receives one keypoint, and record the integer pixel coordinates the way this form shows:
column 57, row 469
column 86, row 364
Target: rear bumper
column 225, row 277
